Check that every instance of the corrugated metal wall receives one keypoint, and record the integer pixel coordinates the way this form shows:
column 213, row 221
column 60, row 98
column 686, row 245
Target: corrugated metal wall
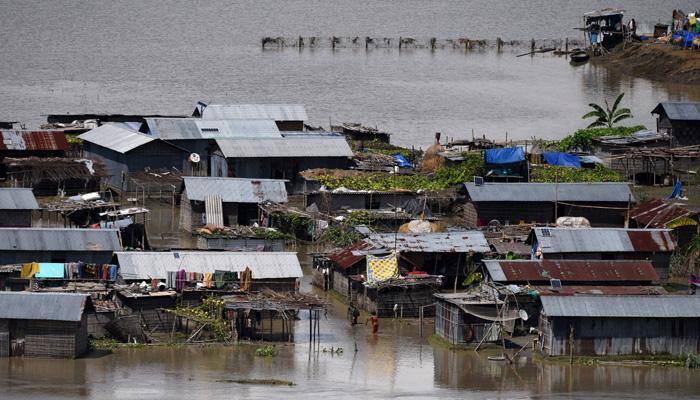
column 451, row 325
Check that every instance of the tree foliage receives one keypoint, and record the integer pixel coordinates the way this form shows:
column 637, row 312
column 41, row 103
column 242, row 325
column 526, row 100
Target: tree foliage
column 608, row 116
column 551, row 174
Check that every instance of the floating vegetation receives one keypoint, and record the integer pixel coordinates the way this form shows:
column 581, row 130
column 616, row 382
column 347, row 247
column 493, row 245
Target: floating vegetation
column 266, row 351
column 251, row 381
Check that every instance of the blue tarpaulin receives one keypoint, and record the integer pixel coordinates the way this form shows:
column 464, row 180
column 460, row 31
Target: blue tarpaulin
column 676, row 191
column 50, row 270
column 401, row 161
column 562, row 159
column 508, row 155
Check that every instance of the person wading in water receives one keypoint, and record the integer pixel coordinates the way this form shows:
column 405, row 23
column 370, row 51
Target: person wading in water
column 353, row 314
column 375, row 322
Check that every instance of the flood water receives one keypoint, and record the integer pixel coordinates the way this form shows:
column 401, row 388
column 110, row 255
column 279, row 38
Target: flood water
column 396, row 363
column 160, row 57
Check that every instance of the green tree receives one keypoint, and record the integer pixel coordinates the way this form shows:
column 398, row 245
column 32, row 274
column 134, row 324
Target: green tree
column 608, row 116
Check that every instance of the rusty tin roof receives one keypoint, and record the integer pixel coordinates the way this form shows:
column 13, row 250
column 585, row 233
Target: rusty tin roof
column 570, row 270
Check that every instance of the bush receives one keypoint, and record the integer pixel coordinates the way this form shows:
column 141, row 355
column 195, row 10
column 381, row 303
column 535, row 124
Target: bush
column 552, row 174
column 266, row 351
column 582, row 139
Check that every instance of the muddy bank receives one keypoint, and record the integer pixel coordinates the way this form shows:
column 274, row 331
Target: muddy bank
column 657, row 62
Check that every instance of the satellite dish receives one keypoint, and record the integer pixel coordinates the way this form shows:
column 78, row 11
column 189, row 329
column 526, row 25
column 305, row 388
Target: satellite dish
column 194, row 157
column 523, row 315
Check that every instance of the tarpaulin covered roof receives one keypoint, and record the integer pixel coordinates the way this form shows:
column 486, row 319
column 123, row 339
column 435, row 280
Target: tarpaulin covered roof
column 275, row 112
column 570, row 270
column 33, row 140
column 17, row 199
column 603, row 240
column 43, row 306
column 550, row 192
column 679, row 111
column 436, row 242
column 116, row 138
column 292, row 146
column 622, row 306
column 562, row 159
column 235, row 190
column 59, row 239
column 264, row 265
column 195, row 128
column 658, row 213
column 508, row 155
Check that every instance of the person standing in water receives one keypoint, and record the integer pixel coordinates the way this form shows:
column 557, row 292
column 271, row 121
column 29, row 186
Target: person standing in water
column 353, row 314
column 375, row 322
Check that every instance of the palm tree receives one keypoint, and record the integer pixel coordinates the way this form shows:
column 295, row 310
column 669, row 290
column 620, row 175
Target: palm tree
column 607, row 117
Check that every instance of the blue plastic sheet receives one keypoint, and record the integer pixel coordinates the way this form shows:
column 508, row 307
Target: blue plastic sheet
column 562, row 159
column 50, row 270
column 508, row 155
column 401, row 161
column 676, row 191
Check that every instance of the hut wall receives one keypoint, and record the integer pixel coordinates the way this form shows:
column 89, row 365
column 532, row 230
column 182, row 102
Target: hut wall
column 21, row 257
column 329, row 202
column 282, row 168
column 96, row 323
column 278, row 285
column 685, row 133
column 55, row 339
column 622, row 336
column 239, row 244
column 15, row 218
column 341, row 284
column 150, row 311
column 186, row 213
column 4, row 338
column 508, row 212
column 459, row 329
column 408, row 301
column 267, row 325
column 294, row 126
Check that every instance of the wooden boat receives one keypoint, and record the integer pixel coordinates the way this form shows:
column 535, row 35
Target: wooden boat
column 579, row 57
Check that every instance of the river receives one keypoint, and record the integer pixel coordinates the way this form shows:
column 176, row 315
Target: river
column 161, row 57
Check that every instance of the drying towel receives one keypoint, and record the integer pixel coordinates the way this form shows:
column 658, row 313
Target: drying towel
column 382, row 268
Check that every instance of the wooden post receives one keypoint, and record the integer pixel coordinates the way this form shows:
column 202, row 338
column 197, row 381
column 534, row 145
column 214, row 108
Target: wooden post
column 566, row 45
column 571, row 343
column 499, row 44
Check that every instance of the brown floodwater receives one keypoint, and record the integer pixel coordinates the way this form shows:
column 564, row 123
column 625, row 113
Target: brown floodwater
column 396, row 363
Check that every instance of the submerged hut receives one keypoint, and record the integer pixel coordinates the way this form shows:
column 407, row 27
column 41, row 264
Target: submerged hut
column 57, row 245
column 654, row 245
column 55, row 176
column 620, row 325
column 43, row 324
column 287, row 117
column 602, row 204
column 16, row 206
column 125, row 151
column 278, row 271
column 226, row 201
column 681, row 121
column 463, row 319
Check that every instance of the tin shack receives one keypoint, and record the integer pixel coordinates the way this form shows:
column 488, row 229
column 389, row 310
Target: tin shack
column 52, row 325
column 681, row 121
column 287, row 117
column 603, row 204
column 660, row 214
column 125, row 151
column 57, row 245
column 226, row 201
column 654, row 245
column 620, row 325
column 16, row 206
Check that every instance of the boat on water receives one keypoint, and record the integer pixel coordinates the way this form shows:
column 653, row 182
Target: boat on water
column 579, row 57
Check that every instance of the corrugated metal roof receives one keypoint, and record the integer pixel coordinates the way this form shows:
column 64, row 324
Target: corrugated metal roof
column 609, row 290
column 276, row 112
column 550, row 192
column 293, row 146
column 116, row 138
column 236, row 190
column 678, row 111
column 265, row 265
column 658, row 213
column 195, row 128
column 570, row 270
column 438, row 242
column 33, row 140
column 43, row 306
column 344, row 258
column 622, row 306
column 17, row 199
column 603, row 240
column 59, row 239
